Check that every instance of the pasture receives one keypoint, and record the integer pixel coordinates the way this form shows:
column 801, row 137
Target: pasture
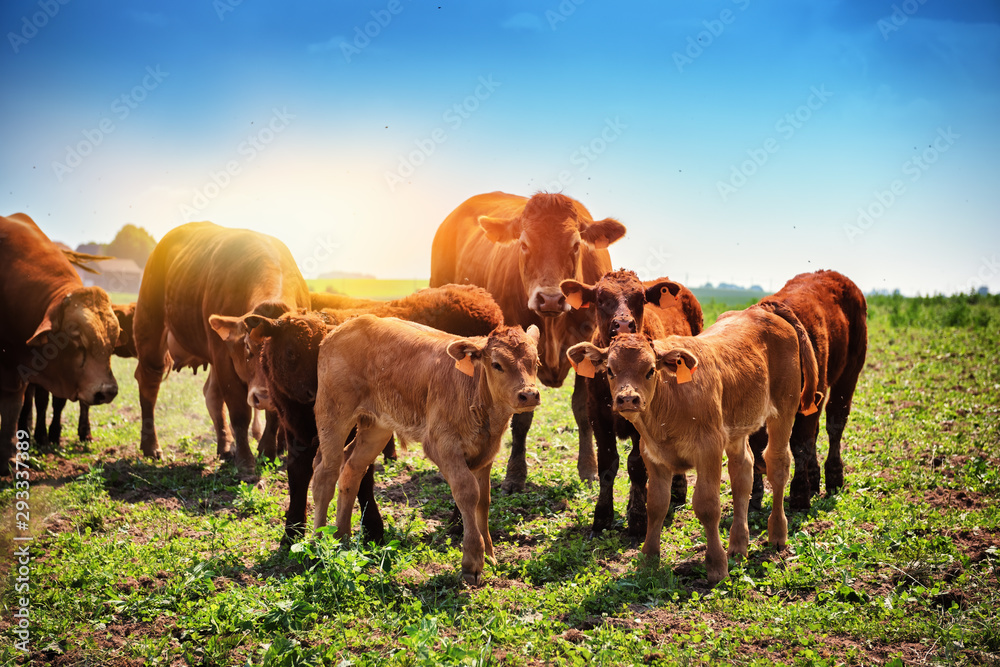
column 177, row 562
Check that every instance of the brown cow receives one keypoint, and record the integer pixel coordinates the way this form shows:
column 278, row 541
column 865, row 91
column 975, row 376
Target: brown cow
column 197, row 270
column 283, row 354
column 56, row 332
column 520, row 249
column 834, row 313
column 749, row 372
column 321, row 300
column 621, row 302
column 386, row 375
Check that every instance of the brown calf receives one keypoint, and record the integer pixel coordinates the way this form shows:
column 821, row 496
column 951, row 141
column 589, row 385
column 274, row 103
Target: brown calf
column 621, row 302
column 748, row 373
column 387, row 375
column 834, row 313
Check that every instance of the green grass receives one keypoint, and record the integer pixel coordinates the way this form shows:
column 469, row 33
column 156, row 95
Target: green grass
column 176, row 562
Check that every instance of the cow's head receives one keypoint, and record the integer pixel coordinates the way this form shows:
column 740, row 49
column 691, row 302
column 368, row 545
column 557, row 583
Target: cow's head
column 508, row 358
column 619, row 299
column 125, row 347
column 552, row 233
column 233, row 332
column 633, row 364
column 286, row 350
column 73, row 347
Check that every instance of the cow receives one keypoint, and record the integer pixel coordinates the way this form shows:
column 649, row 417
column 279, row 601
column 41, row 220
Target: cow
column 283, row 353
column 691, row 398
column 321, row 300
column 834, row 313
column 624, row 304
column 197, row 270
column 520, row 249
column 57, row 333
column 455, row 395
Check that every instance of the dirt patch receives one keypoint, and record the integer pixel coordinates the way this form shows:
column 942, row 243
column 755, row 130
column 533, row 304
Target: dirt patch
column 951, row 498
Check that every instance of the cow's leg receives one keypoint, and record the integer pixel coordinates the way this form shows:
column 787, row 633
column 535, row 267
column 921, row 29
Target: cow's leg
column 216, row 404
column 83, row 426
column 657, row 505
column 758, row 443
column 25, row 419
column 778, row 457
column 300, row 471
column 256, row 430
column 369, row 441
column 41, row 410
column 267, row 443
column 638, row 479
column 465, row 491
column 371, row 517
column 389, row 453
column 483, row 508
column 517, row 466
column 741, row 480
column 149, row 375
column 705, row 503
column 603, row 428
column 55, row 426
column 586, row 462
column 10, row 411
column 838, row 409
column 805, row 480
column 234, row 393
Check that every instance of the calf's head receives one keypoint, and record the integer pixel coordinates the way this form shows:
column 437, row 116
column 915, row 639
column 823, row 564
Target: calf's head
column 125, row 347
column 73, row 347
column 233, row 332
column 551, row 233
column 619, row 299
column 635, row 365
column 508, row 359
column 285, row 352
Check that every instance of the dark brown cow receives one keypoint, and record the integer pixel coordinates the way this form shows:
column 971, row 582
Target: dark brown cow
column 197, row 270
column 56, row 332
column 387, row 375
column 621, row 303
column 284, row 351
column 834, row 313
column 694, row 397
column 520, row 249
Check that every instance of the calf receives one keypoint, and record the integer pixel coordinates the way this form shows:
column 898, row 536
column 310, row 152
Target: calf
column 386, row 375
column 621, row 303
column 749, row 373
column 283, row 353
column 834, row 313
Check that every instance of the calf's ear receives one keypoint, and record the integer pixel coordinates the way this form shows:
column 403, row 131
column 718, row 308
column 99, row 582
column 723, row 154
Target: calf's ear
column 578, row 295
column 588, row 359
column 500, row 230
column 675, row 361
column 602, row 233
column 533, row 333
column 228, row 328
column 663, row 294
column 264, row 326
column 464, row 351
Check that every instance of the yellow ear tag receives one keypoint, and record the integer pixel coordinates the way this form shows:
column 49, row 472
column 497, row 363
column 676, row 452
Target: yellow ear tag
column 811, row 410
column 667, row 299
column 575, row 300
column 683, row 372
column 465, row 365
column 585, row 368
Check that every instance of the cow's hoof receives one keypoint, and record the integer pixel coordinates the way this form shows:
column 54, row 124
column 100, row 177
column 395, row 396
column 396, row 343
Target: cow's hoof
column 472, row 579
column 156, row 455
column 587, row 469
column 512, row 485
column 678, row 490
column 799, row 503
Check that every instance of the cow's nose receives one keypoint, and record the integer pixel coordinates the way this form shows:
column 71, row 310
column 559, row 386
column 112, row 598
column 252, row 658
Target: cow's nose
column 626, row 402
column 528, row 397
column 552, row 303
column 622, row 325
column 106, row 394
column 258, row 399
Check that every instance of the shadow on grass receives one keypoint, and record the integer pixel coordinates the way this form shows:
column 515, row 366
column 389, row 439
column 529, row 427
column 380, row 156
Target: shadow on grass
column 195, row 487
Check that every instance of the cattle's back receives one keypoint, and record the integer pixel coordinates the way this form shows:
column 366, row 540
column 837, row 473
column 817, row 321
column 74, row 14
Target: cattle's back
column 683, row 319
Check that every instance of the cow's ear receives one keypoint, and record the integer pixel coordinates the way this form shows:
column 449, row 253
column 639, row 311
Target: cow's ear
column 533, row 333
column 228, row 328
column 49, row 324
column 465, row 351
column 41, row 335
column 675, row 361
column 603, row 233
column 588, row 359
column 578, row 295
column 663, row 294
column 501, row 230
column 264, row 326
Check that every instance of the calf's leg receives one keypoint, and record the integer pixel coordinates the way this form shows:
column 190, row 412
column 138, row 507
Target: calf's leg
column 638, row 478
column 465, row 489
column 741, row 479
column 657, row 504
column 706, row 507
column 758, row 443
column 300, row 460
column 333, row 427
column 586, row 462
column 778, row 457
column 367, row 445
column 603, row 428
column 83, row 425
column 267, row 443
column 517, row 466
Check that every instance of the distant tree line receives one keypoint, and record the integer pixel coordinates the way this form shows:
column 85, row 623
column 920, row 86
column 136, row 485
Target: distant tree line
column 130, row 242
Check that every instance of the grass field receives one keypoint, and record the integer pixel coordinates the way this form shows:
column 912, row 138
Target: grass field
column 176, row 562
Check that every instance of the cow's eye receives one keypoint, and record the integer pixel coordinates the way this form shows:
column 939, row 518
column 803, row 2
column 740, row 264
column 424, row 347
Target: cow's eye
column 611, row 376
column 576, row 247
column 649, row 375
column 497, row 367
column 524, row 247
column 83, row 356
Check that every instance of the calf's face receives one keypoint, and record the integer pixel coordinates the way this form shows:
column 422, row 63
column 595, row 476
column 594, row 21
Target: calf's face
column 620, row 299
column 125, row 346
column 286, row 351
column 508, row 357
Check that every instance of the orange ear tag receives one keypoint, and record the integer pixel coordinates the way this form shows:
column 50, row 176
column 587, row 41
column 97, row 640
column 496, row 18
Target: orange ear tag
column 667, row 299
column 683, row 372
column 585, row 368
column 811, row 410
column 575, row 300
column 465, row 365
column 601, row 243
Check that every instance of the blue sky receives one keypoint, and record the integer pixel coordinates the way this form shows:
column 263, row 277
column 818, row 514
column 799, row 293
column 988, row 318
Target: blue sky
column 738, row 141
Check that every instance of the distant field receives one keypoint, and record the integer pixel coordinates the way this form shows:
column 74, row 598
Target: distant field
column 368, row 288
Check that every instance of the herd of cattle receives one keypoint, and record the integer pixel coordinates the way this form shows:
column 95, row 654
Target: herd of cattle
column 522, row 289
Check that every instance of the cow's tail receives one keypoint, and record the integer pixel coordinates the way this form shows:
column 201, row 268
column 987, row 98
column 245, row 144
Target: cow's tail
column 807, row 356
